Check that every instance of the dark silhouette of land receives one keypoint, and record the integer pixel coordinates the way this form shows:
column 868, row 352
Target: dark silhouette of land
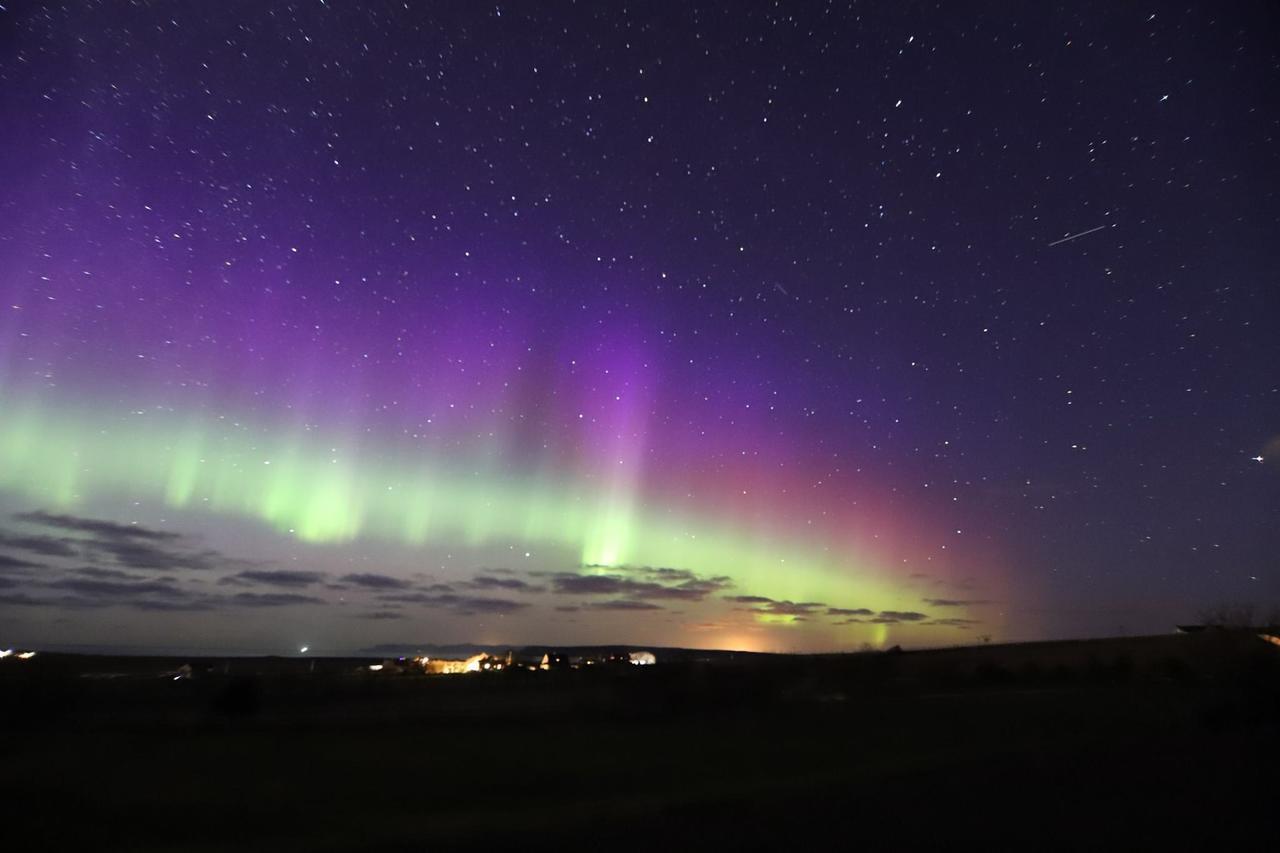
column 1100, row 744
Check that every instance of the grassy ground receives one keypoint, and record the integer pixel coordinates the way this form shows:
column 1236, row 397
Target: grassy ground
column 866, row 749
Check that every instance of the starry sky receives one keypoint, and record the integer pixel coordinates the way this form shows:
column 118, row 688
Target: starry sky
column 747, row 325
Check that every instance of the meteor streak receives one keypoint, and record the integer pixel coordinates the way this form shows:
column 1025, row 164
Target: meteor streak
column 1074, row 236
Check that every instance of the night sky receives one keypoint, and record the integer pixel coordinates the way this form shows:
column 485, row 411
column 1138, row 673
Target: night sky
column 744, row 325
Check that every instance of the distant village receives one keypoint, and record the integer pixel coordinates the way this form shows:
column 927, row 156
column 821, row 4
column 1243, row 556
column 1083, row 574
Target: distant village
column 534, row 661
column 523, row 660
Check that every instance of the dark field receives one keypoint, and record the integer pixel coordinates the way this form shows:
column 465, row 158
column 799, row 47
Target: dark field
column 1106, row 744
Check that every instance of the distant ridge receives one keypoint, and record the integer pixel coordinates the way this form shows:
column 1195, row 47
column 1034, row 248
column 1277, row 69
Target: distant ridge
column 463, row 650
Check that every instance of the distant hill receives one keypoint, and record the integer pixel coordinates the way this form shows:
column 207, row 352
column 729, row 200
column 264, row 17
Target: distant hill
column 464, row 650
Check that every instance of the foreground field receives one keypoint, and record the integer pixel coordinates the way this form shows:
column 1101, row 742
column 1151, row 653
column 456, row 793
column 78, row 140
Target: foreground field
column 1107, row 746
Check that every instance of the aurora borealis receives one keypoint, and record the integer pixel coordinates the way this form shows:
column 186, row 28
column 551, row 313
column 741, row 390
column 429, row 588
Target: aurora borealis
column 695, row 326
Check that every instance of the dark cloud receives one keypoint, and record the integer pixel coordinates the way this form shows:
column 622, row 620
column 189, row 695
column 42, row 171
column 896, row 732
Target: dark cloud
column 370, row 580
column 571, row 584
column 96, row 527
column 490, row 582
column 955, row 602
column 668, row 574
column 380, row 615
column 954, row 623
column 463, row 605
column 129, row 545
column 140, row 554
column 95, row 587
column 661, row 574
column 790, row 608
column 884, row 617
column 22, row 599
column 7, row 563
column 45, row 546
column 661, row 584
column 272, row 599
column 109, row 574
column 274, row 577
column 696, row 590
column 99, row 586
column 472, row 605
column 113, row 589
column 891, row 617
column 773, row 607
column 798, row 610
column 624, row 605
column 8, row 583
column 188, row 606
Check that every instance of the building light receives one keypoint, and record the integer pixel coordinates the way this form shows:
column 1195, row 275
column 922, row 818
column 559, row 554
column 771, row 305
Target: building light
column 375, row 667
column 4, row 653
column 26, row 655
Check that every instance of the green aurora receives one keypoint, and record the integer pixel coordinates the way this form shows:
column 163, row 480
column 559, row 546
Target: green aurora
column 332, row 492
